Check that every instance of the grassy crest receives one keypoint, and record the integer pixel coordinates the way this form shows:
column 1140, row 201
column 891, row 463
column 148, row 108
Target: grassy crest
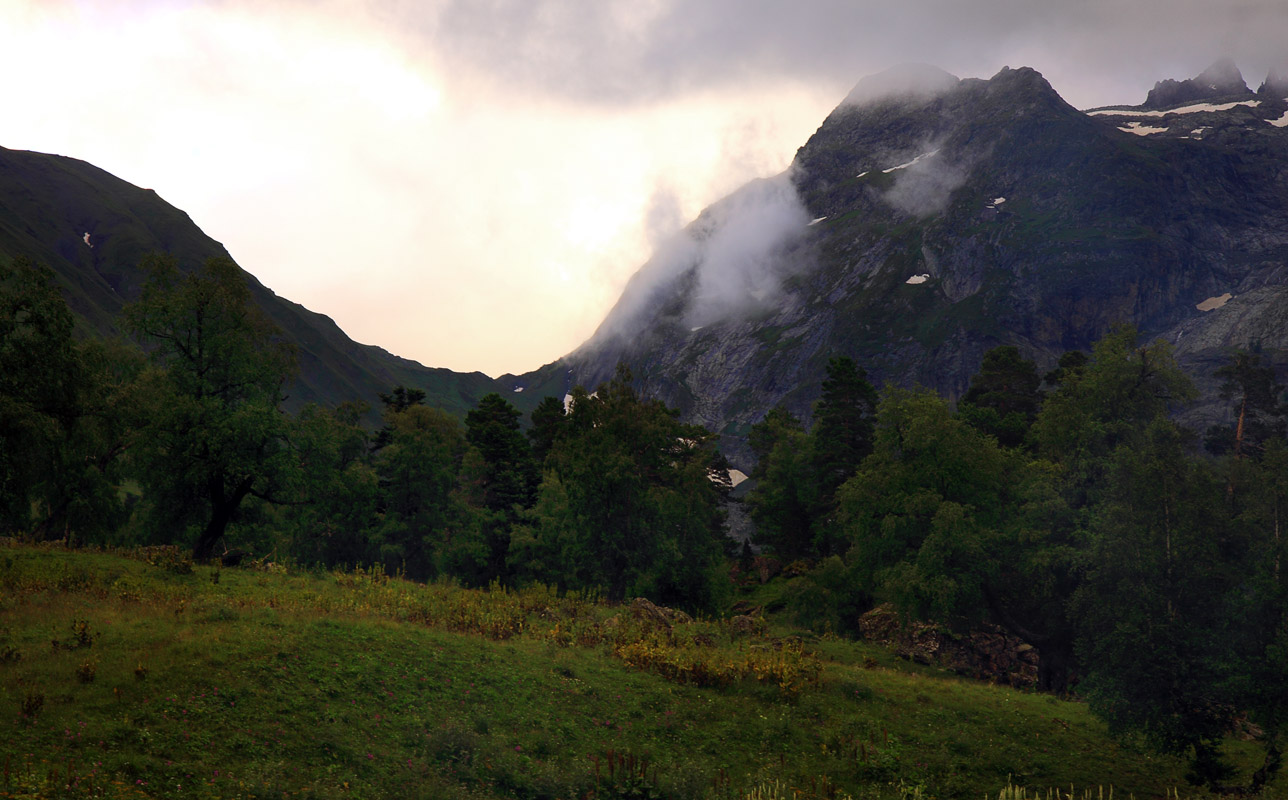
column 146, row 676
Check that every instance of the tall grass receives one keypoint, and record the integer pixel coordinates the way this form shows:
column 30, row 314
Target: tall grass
column 142, row 675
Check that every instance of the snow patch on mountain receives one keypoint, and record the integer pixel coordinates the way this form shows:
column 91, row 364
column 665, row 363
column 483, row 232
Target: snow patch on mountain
column 1141, row 129
column 1213, row 303
column 911, row 163
column 1190, row 109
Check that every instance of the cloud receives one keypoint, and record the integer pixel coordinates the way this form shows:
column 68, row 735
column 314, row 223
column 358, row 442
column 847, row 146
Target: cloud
column 741, row 243
column 730, row 261
column 637, row 51
column 920, row 82
column 925, row 185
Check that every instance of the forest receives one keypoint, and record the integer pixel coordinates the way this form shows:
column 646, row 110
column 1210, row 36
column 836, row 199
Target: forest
column 1140, row 558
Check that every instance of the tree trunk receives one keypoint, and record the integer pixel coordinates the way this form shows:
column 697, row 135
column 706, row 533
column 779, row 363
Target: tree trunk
column 1055, row 663
column 222, row 508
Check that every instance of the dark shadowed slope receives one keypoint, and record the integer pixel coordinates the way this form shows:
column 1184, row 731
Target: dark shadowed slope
column 49, row 203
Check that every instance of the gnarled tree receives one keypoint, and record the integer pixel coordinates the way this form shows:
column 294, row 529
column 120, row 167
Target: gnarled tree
column 211, row 433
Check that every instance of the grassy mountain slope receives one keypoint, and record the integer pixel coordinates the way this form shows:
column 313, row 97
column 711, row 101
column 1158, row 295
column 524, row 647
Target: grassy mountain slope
column 47, row 205
column 173, row 681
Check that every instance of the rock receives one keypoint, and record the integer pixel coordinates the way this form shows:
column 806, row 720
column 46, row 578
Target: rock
column 645, row 610
column 766, row 567
column 744, row 625
column 988, row 653
column 1221, row 80
column 1275, row 85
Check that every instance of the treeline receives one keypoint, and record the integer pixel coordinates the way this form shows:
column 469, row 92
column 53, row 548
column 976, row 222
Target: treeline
column 1146, row 563
column 179, row 441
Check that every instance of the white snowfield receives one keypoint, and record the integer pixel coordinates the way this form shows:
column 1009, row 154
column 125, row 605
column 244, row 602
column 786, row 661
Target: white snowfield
column 1141, row 130
column 997, row 201
column 814, row 222
column 1282, row 122
column 1213, row 303
column 909, row 164
column 87, row 241
column 922, row 278
column 861, row 174
column 1193, row 109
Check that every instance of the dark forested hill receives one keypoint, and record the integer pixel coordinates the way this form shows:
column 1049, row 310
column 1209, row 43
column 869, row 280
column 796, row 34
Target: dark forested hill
column 93, row 229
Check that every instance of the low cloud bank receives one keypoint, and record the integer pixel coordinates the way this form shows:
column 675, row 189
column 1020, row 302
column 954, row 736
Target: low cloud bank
column 905, row 83
column 730, row 261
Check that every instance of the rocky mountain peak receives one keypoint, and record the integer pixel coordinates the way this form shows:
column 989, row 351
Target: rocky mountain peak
column 929, row 219
column 1276, row 84
column 1221, row 80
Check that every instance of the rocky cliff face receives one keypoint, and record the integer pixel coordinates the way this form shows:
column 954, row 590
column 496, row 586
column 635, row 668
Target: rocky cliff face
column 930, row 219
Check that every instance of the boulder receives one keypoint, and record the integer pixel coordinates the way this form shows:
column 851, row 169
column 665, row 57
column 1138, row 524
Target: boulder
column 988, row 652
column 645, row 610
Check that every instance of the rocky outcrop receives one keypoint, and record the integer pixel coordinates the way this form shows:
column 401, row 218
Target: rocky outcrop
column 988, row 653
column 1221, row 80
column 1275, row 86
column 645, row 610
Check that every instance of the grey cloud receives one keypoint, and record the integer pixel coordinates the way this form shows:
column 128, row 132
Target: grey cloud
column 916, row 81
column 741, row 244
column 730, row 260
column 925, row 187
column 630, row 51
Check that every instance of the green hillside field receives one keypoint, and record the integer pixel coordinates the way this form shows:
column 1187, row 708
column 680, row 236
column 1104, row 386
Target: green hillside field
column 140, row 675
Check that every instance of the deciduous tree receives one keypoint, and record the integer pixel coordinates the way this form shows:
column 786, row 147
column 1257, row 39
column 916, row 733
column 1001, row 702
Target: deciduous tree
column 211, row 432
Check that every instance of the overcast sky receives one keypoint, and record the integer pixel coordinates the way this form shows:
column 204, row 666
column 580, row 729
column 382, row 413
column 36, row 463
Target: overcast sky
column 471, row 183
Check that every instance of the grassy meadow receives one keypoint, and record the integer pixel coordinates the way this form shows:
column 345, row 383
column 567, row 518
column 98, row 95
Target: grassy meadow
column 140, row 675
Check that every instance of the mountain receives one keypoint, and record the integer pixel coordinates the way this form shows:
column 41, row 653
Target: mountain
column 927, row 220
column 93, row 229
column 930, row 219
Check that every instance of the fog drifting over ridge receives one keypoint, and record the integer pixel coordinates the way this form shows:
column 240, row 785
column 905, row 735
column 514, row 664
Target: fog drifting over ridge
column 729, row 262
column 472, row 184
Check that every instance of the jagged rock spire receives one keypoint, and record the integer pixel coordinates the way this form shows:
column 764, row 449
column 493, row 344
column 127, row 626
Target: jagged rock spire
column 1276, row 84
column 1221, row 80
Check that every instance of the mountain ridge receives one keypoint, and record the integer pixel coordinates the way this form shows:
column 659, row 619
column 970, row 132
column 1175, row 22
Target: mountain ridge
column 928, row 219
column 93, row 229
column 988, row 212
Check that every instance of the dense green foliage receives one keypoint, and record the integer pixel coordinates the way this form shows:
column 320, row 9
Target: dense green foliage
column 1078, row 516
column 1082, row 520
column 616, row 496
column 627, row 503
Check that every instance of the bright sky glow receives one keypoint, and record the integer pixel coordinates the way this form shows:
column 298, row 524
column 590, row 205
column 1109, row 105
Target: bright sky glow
column 471, row 184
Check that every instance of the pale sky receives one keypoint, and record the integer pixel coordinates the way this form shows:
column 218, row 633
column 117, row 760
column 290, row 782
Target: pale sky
column 470, row 183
